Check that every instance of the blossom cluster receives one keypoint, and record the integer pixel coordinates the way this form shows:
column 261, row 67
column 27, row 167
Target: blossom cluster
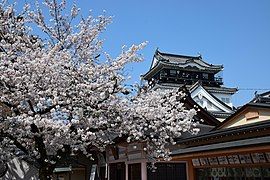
column 64, row 90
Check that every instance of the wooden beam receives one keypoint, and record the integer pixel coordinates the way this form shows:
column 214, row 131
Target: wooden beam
column 243, row 150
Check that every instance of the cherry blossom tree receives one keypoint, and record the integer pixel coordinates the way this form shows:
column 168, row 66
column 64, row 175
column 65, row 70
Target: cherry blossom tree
column 65, row 94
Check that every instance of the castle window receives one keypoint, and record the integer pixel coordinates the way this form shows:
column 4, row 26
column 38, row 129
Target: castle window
column 205, row 76
column 172, row 72
column 163, row 72
column 225, row 100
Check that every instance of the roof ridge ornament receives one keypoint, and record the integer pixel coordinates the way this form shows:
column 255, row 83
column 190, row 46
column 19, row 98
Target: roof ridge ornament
column 199, row 55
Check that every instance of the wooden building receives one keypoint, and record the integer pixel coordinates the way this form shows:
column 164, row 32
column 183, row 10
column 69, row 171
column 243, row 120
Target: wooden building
column 238, row 148
column 130, row 162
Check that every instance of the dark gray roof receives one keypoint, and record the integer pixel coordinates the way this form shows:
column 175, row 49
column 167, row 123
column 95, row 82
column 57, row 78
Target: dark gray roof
column 220, row 89
column 210, row 89
column 179, row 61
column 203, row 130
column 262, row 98
column 183, row 60
column 228, row 132
column 221, row 114
column 223, row 145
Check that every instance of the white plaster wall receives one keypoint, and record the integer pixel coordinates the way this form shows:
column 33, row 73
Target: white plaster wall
column 206, row 98
column 222, row 95
column 204, row 103
column 264, row 115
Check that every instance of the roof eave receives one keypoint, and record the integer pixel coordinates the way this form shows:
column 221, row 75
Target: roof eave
column 158, row 53
column 152, row 71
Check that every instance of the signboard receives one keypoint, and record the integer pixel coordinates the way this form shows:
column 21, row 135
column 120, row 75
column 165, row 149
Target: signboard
column 252, row 158
column 213, row 161
column 233, row 159
column 245, row 158
column 267, row 155
column 222, row 160
column 204, row 161
column 258, row 158
column 196, row 162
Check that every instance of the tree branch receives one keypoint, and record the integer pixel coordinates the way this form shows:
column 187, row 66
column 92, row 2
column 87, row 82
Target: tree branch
column 12, row 107
column 15, row 141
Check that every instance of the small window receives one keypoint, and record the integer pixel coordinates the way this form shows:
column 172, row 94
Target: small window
column 252, row 115
column 185, row 74
column 225, row 100
column 205, row 76
column 163, row 72
column 173, row 72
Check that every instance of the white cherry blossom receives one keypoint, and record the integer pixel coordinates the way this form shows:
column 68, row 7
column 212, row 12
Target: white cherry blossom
column 65, row 95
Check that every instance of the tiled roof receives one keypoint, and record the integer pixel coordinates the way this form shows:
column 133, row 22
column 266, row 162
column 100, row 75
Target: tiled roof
column 262, row 98
column 183, row 59
column 162, row 60
column 234, row 139
column 210, row 89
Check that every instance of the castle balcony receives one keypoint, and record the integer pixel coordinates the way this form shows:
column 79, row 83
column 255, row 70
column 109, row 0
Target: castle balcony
column 219, row 80
column 215, row 82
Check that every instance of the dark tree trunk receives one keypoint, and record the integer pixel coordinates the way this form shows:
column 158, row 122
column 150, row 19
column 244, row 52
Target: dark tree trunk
column 45, row 169
column 45, row 172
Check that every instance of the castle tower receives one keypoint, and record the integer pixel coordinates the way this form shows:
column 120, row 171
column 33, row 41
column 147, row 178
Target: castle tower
column 203, row 81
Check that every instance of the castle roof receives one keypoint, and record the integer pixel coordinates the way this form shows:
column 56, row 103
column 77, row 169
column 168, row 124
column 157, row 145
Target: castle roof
column 161, row 60
column 262, row 98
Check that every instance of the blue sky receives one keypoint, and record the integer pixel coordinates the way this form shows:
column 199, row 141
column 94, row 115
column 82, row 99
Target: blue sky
column 229, row 32
column 233, row 33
